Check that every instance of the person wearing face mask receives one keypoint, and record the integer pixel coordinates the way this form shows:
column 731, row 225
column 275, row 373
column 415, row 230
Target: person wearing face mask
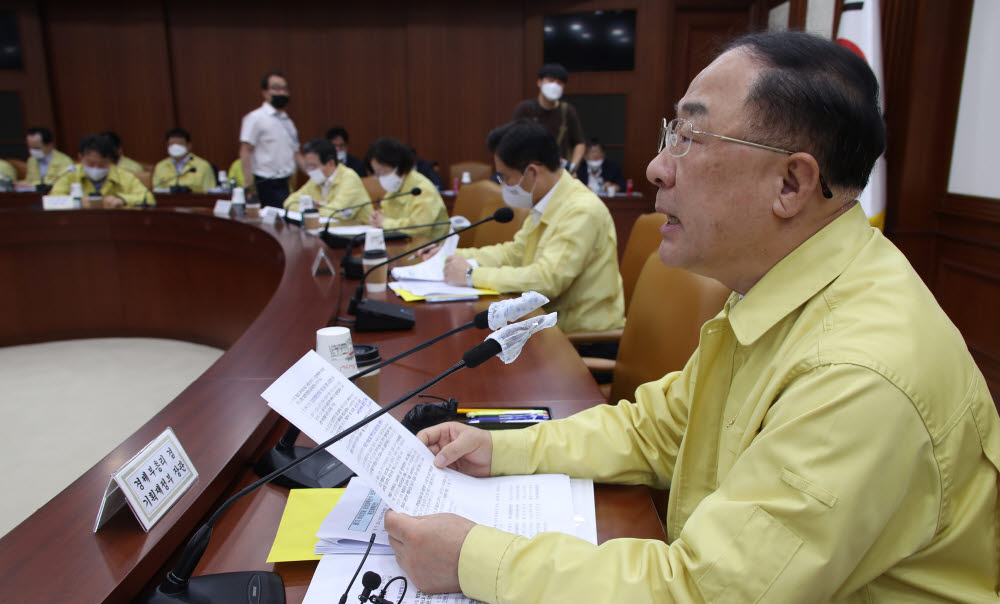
column 332, row 185
column 557, row 116
column 599, row 173
column 392, row 162
column 567, row 248
column 339, row 137
column 45, row 163
column 269, row 143
column 97, row 173
column 195, row 173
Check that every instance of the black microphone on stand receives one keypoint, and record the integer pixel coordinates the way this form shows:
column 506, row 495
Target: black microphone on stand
column 352, row 265
column 176, row 187
column 266, row 587
column 338, row 241
column 375, row 315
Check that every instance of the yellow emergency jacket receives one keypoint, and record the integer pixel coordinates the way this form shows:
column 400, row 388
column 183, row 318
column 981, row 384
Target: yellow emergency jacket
column 119, row 183
column 200, row 180
column 570, row 256
column 345, row 190
column 57, row 167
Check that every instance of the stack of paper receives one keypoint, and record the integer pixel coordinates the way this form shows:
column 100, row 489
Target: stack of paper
column 399, row 469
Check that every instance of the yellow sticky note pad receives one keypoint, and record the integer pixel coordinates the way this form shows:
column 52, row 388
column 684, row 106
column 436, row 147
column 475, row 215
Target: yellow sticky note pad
column 304, row 513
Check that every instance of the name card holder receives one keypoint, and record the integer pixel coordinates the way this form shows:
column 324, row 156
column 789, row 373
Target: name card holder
column 149, row 483
column 322, row 264
column 222, row 207
column 269, row 214
column 58, row 202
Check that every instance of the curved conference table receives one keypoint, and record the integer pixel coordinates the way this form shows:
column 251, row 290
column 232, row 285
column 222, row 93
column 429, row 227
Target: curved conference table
column 247, row 288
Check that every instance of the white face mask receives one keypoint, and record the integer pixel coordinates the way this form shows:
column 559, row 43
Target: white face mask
column 37, row 153
column 390, row 182
column 552, row 90
column 516, row 197
column 341, row 156
column 317, row 176
column 177, row 151
column 95, row 174
column 595, row 164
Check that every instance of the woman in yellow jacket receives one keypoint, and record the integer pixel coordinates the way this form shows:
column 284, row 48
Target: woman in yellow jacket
column 332, row 185
column 97, row 173
column 392, row 162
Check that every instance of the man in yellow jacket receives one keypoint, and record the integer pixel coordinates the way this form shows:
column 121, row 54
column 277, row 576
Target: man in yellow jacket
column 566, row 249
column 831, row 440
column 332, row 185
column 182, row 168
column 392, row 162
column 45, row 163
column 97, row 173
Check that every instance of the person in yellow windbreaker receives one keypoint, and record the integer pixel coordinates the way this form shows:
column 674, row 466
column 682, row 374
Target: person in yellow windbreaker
column 332, row 185
column 45, row 163
column 392, row 162
column 236, row 173
column 8, row 171
column 182, row 168
column 567, row 248
column 97, row 173
column 830, row 440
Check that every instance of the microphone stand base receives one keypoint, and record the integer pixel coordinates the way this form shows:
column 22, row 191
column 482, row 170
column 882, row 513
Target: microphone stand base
column 321, row 471
column 251, row 586
column 375, row 315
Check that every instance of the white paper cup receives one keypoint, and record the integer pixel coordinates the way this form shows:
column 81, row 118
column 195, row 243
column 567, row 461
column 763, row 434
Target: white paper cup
column 238, row 196
column 334, row 344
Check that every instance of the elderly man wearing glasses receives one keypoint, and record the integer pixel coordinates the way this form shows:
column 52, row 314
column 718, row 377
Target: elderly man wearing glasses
column 831, row 440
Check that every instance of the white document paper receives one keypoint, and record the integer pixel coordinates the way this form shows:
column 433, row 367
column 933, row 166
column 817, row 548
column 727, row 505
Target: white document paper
column 334, row 573
column 360, row 512
column 350, row 230
column 316, row 398
column 431, row 269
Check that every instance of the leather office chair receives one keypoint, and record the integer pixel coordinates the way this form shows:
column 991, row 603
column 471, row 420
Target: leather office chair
column 146, row 178
column 20, row 165
column 477, row 171
column 643, row 239
column 375, row 190
column 477, row 201
column 662, row 326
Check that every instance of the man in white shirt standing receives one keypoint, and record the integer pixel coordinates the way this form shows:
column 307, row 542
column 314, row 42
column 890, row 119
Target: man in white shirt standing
column 269, row 143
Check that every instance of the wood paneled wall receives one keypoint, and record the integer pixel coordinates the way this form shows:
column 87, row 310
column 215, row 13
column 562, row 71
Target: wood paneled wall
column 438, row 75
column 953, row 241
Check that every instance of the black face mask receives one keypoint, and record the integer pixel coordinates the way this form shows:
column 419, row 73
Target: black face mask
column 279, row 100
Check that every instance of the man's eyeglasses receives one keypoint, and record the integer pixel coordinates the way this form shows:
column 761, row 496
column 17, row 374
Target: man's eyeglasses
column 676, row 136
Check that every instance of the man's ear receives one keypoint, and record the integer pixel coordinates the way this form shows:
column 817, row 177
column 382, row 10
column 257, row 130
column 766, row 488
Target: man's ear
column 799, row 183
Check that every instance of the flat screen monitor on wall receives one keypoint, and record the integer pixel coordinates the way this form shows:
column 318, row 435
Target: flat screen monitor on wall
column 601, row 40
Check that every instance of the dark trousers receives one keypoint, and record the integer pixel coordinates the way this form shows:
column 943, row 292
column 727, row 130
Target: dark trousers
column 271, row 191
